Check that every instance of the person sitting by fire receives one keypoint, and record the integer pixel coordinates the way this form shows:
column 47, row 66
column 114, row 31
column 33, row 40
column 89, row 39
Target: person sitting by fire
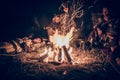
column 97, row 21
column 111, row 27
column 97, row 38
column 55, row 24
column 62, row 21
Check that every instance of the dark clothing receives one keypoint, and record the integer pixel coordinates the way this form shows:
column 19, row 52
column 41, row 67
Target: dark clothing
column 116, row 52
column 98, row 41
column 111, row 29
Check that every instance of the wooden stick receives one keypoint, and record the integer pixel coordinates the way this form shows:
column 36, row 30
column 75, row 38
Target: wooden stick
column 67, row 54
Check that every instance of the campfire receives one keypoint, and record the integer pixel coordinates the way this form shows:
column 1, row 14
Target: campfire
column 59, row 50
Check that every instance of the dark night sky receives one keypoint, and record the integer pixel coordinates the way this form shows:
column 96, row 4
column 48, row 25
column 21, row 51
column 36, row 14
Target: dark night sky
column 16, row 16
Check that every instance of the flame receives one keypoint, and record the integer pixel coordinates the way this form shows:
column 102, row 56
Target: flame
column 61, row 40
column 58, row 42
column 57, row 50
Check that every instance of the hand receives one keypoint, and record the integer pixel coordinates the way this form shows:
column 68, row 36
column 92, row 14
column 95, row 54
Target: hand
column 118, row 61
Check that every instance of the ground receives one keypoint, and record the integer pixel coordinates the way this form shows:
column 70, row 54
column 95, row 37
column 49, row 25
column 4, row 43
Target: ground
column 26, row 66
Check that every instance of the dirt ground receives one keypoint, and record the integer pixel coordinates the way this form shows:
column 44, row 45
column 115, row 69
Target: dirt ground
column 27, row 67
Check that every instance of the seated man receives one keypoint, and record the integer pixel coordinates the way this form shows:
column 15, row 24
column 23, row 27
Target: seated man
column 97, row 38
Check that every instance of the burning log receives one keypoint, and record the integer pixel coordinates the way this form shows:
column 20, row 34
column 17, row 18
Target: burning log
column 60, row 54
column 43, row 57
column 67, row 54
